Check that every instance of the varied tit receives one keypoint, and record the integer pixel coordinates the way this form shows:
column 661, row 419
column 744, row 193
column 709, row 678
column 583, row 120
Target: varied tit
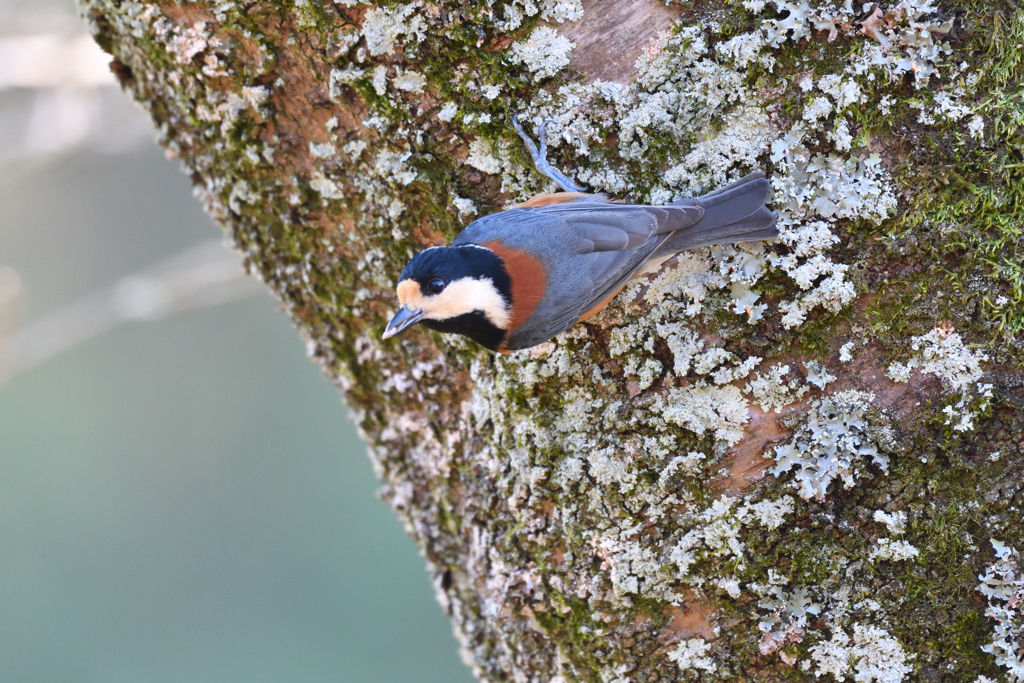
column 516, row 278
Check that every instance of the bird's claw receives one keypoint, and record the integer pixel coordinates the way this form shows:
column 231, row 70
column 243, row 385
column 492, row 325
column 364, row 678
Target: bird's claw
column 539, row 156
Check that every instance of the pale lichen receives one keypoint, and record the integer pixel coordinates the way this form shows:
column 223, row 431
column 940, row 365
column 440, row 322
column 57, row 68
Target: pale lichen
column 895, row 522
column 1003, row 588
column 833, row 444
column 544, row 53
column 558, row 11
column 772, row 392
column 869, row 655
column 895, row 551
column 942, row 353
column 384, row 26
column 691, row 655
column 784, row 618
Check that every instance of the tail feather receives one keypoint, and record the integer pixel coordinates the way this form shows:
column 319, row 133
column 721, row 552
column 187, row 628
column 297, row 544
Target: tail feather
column 734, row 213
column 759, row 225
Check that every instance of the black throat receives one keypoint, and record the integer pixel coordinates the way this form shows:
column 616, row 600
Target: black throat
column 474, row 325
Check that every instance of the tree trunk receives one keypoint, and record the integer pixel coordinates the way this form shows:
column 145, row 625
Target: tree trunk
column 764, row 462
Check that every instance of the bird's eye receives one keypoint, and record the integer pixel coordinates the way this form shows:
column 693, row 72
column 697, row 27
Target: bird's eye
column 436, row 286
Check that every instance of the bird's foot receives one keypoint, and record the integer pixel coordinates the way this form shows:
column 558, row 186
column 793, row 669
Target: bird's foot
column 539, row 156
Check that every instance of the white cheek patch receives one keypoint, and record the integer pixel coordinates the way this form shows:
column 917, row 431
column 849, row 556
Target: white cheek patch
column 458, row 298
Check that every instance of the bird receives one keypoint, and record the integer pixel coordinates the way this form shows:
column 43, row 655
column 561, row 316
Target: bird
column 514, row 279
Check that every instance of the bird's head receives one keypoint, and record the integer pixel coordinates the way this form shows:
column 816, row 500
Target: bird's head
column 462, row 290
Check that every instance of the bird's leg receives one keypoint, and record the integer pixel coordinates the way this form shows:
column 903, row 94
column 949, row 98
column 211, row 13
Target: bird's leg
column 540, row 161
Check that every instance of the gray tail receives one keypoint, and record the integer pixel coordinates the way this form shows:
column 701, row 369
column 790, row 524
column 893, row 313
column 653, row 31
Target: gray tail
column 734, row 213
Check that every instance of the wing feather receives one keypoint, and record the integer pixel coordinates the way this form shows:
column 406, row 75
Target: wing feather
column 611, row 264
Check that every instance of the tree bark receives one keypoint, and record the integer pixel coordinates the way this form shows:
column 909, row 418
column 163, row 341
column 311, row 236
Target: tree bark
column 763, row 462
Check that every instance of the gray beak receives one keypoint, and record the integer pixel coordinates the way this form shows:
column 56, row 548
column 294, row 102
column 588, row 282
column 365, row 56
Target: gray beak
column 403, row 320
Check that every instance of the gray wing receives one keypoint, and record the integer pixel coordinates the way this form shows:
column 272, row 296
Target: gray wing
column 590, row 250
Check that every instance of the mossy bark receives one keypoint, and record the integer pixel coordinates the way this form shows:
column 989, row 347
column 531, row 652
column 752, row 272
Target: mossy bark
column 587, row 510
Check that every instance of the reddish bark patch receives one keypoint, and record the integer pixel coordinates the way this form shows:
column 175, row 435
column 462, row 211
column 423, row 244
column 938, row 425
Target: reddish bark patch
column 187, row 14
column 427, row 235
column 690, row 621
column 747, row 464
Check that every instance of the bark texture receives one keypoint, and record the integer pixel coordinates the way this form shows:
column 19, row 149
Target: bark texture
column 774, row 462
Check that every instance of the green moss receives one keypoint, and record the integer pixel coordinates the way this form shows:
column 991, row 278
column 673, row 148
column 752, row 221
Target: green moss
column 967, row 198
column 318, row 15
column 575, row 631
column 941, row 615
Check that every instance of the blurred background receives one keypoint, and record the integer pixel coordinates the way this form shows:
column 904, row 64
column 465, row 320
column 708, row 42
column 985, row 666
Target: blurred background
column 182, row 495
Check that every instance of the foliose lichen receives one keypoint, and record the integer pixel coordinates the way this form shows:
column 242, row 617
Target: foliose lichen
column 1003, row 588
column 835, row 443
